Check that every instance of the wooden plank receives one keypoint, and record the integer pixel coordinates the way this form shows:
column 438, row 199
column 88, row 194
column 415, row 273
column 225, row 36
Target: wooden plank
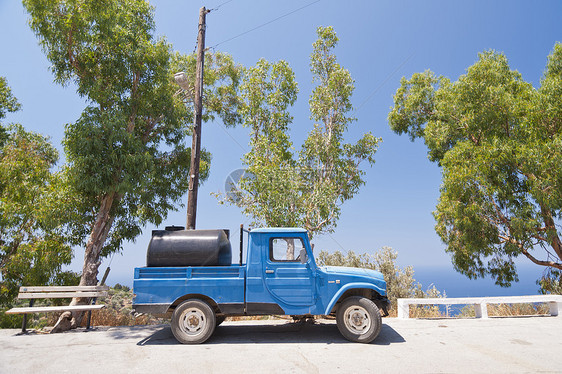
column 63, row 288
column 46, row 309
column 60, row 295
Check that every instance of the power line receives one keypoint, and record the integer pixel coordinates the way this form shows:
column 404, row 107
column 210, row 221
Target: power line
column 384, row 82
column 194, row 47
column 217, row 7
column 111, row 260
column 209, row 11
column 223, row 128
column 267, row 23
column 338, row 243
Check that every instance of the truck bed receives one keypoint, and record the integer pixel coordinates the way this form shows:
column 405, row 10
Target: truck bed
column 159, row 288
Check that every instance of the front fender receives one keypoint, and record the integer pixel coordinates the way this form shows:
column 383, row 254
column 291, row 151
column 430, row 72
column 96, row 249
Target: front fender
column 348, row 287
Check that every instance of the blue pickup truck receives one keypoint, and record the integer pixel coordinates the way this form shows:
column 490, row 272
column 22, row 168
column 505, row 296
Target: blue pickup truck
column 189, row 275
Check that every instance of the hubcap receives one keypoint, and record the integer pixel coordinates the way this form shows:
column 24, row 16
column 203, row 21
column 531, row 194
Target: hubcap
column 192, row 321
column 357, row 319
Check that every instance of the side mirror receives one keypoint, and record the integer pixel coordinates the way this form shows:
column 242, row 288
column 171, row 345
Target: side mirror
column 302, row 256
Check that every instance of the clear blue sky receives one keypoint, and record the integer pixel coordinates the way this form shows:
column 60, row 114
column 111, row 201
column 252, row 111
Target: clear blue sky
column 380, row 41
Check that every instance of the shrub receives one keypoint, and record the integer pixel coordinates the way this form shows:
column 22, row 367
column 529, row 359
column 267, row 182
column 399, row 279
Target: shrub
column 400, row 283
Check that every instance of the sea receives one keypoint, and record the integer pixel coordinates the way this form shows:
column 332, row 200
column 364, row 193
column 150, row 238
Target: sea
column 454, row 284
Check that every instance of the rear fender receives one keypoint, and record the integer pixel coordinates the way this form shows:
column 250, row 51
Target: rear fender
column 207, row 299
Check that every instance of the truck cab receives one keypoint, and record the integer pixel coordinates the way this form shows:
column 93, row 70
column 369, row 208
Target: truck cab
column 279, row 277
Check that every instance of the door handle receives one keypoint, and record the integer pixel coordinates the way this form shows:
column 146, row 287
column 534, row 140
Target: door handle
column 269, row 271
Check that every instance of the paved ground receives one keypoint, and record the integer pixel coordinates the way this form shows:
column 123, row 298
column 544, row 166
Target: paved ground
column 404, row 346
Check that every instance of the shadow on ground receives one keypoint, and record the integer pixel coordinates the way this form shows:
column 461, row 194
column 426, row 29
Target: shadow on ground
column 282, row 333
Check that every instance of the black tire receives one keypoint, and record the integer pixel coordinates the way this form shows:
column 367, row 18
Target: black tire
column 219, row 320
column 359, row 319
column 193, row 322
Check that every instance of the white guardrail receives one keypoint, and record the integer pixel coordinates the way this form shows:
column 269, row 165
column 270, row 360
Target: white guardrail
column 481, row 303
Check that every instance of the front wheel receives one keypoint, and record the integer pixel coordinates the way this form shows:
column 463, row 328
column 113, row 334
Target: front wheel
column 359, row 319
column 193, row 322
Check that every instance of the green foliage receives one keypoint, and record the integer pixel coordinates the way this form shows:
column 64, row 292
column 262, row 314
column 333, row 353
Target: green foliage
column 8, row 103
column 220, row 85
column 102, row 48
column 306, row 189
column 127, row 157
column 551, row 282
column 35, row 208
column 119, row 287
column 267, row 91
column 329, row 167
column 33, row 214
column 10, row 321
column 499, row 142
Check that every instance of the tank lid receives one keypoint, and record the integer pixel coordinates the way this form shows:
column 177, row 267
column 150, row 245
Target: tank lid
column 174, row 228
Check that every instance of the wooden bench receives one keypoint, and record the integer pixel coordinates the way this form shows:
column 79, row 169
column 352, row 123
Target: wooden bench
column 481, row 303
column 58, row 292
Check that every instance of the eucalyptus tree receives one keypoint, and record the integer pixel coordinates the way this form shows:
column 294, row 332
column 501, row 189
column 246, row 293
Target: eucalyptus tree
column 8, row 103
column 269, row 192
column 330, row 168
column 499, row 143
column 307, row 188
column 127, row 157
column 34, row 208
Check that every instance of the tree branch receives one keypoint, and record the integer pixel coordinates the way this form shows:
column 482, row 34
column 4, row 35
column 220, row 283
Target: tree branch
column 150, row 127
column 549, row 223
column 134, row 90
column 530, row 256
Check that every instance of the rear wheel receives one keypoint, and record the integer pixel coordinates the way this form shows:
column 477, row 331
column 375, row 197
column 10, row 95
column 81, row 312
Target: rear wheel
column 193, row 322
column 219, row 320
column 359, row 319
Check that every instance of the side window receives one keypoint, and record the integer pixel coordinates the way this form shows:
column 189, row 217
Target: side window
column 285, row 249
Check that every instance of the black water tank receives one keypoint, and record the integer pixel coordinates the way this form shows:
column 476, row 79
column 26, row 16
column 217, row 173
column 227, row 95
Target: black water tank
column 189, row 248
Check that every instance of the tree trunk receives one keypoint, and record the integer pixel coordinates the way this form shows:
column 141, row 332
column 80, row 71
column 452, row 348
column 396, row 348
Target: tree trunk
column 96, row 241
column 290, row 256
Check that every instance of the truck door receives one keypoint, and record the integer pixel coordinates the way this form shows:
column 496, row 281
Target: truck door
column 286, row 278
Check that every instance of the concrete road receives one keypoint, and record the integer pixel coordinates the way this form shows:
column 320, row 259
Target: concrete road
column 496, row 345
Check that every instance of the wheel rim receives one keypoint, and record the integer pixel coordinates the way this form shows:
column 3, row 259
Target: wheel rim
column 357, row 319
column 193, row 321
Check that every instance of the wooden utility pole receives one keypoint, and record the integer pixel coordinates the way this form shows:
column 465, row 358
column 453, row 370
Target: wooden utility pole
column 198, row 107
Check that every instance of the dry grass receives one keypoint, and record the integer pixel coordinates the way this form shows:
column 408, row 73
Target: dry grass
column 467, row 311
column 118, row 311
column 112, row 317
column 518, row 309
column 509, row 310
column 426, row 311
